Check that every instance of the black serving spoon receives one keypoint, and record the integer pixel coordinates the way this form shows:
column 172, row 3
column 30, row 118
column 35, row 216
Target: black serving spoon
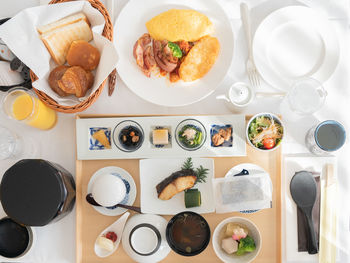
column 303, row 189
column 91, row 201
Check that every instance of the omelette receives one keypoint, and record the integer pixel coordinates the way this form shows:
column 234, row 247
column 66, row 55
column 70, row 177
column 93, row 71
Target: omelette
column 179, row 24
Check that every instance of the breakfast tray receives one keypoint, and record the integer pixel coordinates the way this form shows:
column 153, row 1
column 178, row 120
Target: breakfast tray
column 89, row 223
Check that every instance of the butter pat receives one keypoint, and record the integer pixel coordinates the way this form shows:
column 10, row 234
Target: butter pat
column 160, row 136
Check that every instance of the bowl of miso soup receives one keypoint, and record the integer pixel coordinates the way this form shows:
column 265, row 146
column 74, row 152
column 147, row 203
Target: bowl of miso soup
column 188, row 233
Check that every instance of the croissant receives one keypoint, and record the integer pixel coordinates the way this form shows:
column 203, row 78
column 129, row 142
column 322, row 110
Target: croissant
column 71, row 80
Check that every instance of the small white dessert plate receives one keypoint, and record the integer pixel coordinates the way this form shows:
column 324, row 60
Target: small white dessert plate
column 117, row 227
column 144, row 238
column 130, row 189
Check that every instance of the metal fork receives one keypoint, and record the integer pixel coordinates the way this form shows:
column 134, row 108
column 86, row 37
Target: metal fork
column 253, row 74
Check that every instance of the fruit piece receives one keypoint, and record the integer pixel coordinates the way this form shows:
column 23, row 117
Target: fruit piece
column 105, row 243
column 229, row 245
column 269, row 143
column 192, row 198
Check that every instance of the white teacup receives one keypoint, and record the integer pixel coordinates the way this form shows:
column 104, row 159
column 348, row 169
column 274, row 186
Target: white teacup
column 108, row 190
column 238, row 96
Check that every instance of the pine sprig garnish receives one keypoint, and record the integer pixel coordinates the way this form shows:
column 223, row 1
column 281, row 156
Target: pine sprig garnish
column 188, row 164
column 201, row 174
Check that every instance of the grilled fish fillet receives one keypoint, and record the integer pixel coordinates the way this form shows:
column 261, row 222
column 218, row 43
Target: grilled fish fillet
column 176, row 183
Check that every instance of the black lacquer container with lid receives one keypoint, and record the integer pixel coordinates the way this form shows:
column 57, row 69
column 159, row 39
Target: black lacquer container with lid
column 36, row 192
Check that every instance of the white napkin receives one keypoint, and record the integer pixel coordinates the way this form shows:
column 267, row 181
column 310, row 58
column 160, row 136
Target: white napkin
column 293, row 164
column 241, row 193
column 21, row 36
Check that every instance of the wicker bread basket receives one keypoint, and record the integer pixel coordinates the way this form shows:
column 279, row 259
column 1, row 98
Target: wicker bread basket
column 107, row 33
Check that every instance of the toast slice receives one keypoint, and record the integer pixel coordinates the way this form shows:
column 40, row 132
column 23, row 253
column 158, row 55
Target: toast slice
column 59, row 40
column 62, row 22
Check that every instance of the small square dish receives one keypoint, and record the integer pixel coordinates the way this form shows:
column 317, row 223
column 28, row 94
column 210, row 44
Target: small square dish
column 100, row 138
column 221, row 135
column 160, row 136
column 157, row 175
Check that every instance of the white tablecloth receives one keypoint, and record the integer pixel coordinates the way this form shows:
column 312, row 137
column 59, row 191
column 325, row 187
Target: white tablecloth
column 56, row 242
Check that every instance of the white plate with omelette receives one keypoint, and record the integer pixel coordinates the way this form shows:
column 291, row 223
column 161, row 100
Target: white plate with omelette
column 131, row 24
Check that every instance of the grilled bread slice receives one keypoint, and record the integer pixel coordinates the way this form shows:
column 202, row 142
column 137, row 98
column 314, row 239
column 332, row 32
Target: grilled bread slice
column 176, row 183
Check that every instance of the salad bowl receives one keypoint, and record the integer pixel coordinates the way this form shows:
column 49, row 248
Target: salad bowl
column 265, row 132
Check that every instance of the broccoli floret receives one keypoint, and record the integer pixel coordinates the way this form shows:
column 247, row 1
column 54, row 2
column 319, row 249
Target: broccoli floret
column 246, row 244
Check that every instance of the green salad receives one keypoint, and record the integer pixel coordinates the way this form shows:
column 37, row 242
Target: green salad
column 190, row 136
column 265, row 132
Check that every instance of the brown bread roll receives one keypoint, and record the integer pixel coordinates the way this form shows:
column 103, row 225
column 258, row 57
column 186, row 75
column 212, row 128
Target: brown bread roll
column 74, row 81
column 82, row 54
column 55, row 75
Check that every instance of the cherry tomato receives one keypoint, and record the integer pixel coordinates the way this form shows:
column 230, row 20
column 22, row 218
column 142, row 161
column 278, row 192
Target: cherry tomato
column 268, row 143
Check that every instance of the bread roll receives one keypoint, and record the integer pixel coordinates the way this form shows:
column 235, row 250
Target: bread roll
column 90, row 78
column 74, row 81
column 83, row 54
column 55, row 75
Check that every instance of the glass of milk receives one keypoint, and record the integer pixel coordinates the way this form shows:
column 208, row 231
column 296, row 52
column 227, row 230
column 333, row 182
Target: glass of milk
column 305, row 98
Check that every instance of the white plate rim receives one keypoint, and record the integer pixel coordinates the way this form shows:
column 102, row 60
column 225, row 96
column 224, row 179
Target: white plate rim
column 289, row 14
column 123, row 173
column 172, row 102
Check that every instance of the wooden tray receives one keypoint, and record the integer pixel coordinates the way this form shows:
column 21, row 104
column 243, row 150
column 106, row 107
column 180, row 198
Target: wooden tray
column 89, row 222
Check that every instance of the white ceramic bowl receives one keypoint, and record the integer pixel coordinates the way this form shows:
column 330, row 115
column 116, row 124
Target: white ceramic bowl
column 253, row 231
column 276, row 118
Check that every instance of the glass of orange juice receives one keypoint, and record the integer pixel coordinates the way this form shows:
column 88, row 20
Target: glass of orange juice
column 21, row 104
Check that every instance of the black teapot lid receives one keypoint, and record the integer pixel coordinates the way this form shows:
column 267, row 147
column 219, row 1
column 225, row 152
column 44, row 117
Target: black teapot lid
column 32, row 192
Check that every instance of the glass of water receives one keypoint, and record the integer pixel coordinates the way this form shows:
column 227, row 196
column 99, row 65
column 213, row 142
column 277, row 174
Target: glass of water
column 305, row 98
column 10, row 144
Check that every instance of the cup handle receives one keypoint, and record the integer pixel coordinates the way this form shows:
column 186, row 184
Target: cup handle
column 222, row 97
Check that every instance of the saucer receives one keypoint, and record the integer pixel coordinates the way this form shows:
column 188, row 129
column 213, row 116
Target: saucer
column 130, row 185
column 144, row 238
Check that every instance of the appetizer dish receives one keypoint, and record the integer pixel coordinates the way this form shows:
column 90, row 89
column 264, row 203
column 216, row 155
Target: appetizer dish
column 190, row 134
column 107, row 241
column 221, row 136
column 100, row 138
column 177, row 45
column 188, row 233
column 161, row 137
column 183, row 180
column 265, row 131
column 67, row 41
column 128, row 136
column 236, row 239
